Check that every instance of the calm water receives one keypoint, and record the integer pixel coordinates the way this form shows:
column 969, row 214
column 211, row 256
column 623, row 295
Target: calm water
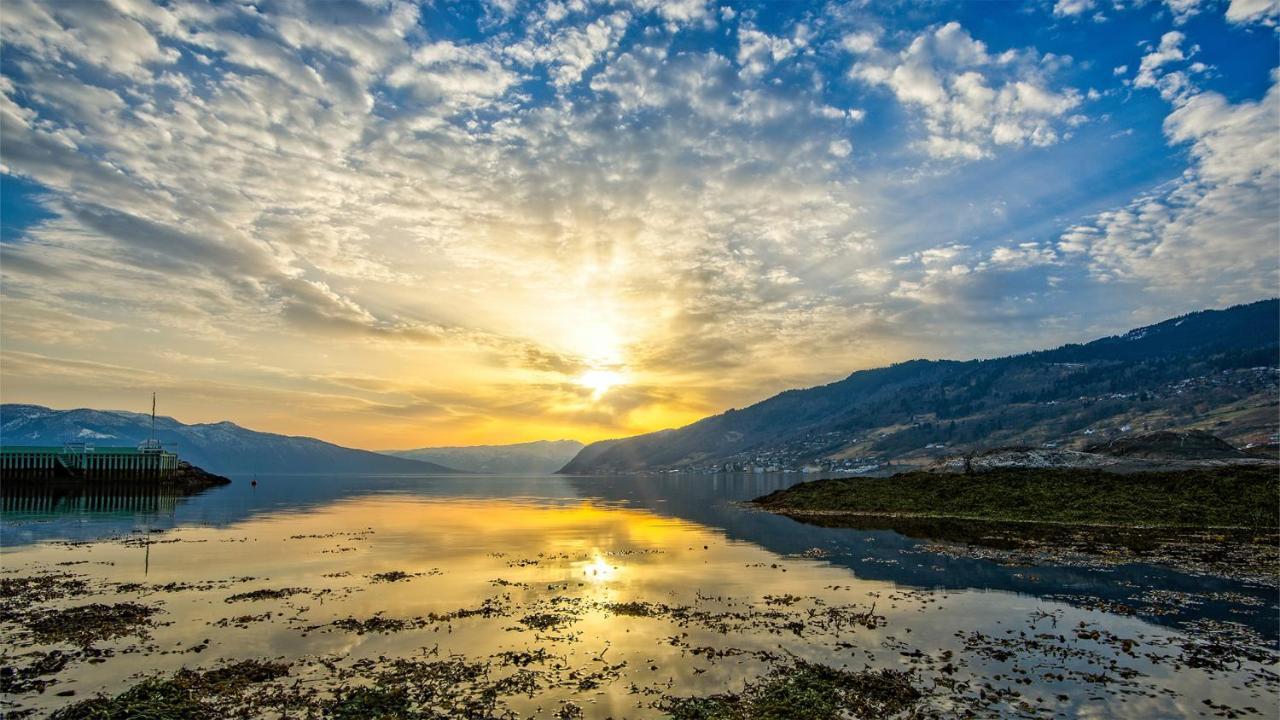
column 738, row 590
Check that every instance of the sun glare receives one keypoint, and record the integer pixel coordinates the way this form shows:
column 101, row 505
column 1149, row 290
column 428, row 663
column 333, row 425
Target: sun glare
column 600, row 381
column 598, row 570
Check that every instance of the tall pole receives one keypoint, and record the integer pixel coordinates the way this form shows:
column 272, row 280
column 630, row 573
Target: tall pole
column 153, row 418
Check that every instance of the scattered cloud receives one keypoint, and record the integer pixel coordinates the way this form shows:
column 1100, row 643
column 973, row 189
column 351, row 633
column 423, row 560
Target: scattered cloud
column 1215, row 227
column 1072, row 8
column 970, row 100
column 413, row 231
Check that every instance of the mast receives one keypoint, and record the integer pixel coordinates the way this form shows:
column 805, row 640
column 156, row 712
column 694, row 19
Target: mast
column 153, row 418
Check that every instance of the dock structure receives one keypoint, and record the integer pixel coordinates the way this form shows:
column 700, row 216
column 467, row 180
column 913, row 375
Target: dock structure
column 149, row 459
column 85, row 460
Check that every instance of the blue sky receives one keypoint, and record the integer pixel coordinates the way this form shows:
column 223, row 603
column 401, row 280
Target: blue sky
column 395, row 224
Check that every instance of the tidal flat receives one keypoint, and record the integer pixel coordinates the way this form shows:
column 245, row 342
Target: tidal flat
column 594, row 598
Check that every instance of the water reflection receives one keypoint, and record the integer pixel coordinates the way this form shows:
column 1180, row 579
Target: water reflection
column 894, row 552
column 661, row 584
column 25, row 502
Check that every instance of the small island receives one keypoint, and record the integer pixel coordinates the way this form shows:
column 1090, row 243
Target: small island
column 1218, row 515
column 1237, row 497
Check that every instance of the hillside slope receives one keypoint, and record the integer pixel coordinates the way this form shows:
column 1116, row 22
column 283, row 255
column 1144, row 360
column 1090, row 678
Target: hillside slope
column 1216, row 366
column 539, row 457
column 222, row 448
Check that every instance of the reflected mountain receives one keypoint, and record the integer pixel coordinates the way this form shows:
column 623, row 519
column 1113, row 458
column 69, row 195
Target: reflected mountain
column 897, row 551
column 899, row 555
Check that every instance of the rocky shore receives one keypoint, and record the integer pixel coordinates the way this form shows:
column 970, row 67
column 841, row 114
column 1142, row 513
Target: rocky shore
column 193, row 479
column 1220, row 520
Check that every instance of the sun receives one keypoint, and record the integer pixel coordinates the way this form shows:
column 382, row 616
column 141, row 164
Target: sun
column 600, row 381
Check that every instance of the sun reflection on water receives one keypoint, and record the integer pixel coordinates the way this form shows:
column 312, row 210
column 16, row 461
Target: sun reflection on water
column 598, row 570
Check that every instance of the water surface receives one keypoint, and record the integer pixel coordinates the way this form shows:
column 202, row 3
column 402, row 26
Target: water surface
column 623, row 590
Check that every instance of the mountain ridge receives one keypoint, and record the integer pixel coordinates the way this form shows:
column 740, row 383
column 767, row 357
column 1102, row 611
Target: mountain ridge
column 894, row 411
column 220, row 447
column 535, row 457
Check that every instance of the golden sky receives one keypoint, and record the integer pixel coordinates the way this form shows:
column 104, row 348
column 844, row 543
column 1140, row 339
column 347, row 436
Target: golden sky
column 391, row 225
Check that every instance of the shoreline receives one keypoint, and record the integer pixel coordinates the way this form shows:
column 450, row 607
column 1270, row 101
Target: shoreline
column 1093, row 519
column 805, row 513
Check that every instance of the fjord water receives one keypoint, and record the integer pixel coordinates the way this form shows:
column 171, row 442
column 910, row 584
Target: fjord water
column 750, row 589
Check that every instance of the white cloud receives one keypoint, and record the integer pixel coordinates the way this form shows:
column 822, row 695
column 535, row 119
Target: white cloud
column 1023, row 255
column 350, row 189
column 456, row 75
column 971, row 100
column 677, row 11
column 569, row 51
column 93, row 33
column 1072, row 8
column 1152, row 73
column 860, row 42
column 941, row 254
column 1212, row 232
column 303, row 184
column 1183, row 10
column 1254, row 11
column 757, row 51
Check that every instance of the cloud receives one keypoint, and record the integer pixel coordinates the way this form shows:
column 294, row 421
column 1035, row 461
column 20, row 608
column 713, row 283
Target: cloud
column 362, row 215
column 1023, row 255
column 1151, row 73
column 456, row 76
column 758, row 51
column 333, row 185
column 571, row 51
column 860, row 42
column 94, row 33
column 1264, row 12
column 1210, row 232
column 1072, row 8
column 971, row 101
column 1183, row 10
column 677, row 12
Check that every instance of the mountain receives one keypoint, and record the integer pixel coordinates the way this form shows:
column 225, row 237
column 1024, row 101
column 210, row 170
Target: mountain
column 1213, row 370
column 540, row 457
column 224, row 447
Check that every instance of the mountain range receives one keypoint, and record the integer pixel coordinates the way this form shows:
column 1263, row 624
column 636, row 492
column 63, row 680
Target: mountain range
column 223, row 447
column 539, row 457
column 1213, row 370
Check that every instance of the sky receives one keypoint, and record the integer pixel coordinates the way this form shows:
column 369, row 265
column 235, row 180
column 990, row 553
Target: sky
column 390, row 225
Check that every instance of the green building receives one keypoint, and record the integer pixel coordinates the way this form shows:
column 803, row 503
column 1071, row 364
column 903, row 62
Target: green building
column 149, row 459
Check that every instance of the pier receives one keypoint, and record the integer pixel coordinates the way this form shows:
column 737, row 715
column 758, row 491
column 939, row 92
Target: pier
column 84, row 460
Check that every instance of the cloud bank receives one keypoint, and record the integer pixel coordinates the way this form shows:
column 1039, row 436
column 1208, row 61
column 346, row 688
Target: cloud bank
column 391, row 224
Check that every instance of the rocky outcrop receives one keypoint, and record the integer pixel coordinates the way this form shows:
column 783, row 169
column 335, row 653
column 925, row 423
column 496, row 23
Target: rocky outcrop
column 1168, row 445
column 1021, row 457
column 191, row 478
column 1164, row 450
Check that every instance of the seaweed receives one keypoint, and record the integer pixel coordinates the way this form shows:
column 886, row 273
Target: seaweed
column 265, row 594
column 804, row 691
column 87, row 624
column 27, row 678
column 190, row 694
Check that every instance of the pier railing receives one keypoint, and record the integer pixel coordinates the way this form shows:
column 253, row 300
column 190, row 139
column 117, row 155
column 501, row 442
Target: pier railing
column 84, row 460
